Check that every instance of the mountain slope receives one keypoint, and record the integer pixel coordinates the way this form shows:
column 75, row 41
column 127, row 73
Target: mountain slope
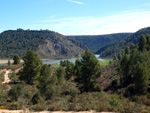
column 113, row 48
column 48, row 44
column 95, row 42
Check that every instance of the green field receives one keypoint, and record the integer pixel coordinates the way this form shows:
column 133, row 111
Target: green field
column 55, row 65
column 102, row 63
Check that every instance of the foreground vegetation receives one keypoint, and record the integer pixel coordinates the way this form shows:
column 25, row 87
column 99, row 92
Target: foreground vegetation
column 120, row 86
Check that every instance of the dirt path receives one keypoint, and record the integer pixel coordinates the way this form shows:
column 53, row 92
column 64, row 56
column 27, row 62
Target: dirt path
column 22, row 111
column 6, row 77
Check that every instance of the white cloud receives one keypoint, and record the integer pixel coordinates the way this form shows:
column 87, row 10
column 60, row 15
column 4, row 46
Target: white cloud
column 81, row 3
column 129, row 21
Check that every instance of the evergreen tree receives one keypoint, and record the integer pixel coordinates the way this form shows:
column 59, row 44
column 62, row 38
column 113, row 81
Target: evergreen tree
column 44, row 75
column 9, row 62
column 148, row 39
column 48, row 83
column 16, row 59
column 61, row 75
column 77, row 68
column 124, row 65
column 69, row 68
column 141, row 78
column 15, row 92
column 32, row 67
column 90, row 71
column 52, row 88
column 14, row 77
column 115, row 57
column 119, row 56
column 142, row 42
column 127, row 50
column 36, row 98
column 148, row 42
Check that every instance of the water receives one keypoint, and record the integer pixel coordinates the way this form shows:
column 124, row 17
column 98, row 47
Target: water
column 58, row 61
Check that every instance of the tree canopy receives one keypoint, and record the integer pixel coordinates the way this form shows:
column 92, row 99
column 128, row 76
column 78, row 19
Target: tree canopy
column 32, row 67
column 90, row 71
column 16, row 59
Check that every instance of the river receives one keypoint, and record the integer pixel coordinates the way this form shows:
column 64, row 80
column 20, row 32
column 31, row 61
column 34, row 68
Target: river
column 71, row 60
column 49, row 61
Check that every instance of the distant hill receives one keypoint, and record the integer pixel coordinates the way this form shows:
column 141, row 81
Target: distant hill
column 113, row 48
column 95, row 42
column 47, row 44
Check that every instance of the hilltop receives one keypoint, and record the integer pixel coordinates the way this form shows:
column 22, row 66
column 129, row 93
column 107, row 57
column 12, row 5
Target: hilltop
column 47, row 44
column 95, row 42
column 113, row 48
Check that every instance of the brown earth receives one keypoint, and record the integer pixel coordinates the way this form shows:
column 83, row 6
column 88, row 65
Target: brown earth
column 26, row 111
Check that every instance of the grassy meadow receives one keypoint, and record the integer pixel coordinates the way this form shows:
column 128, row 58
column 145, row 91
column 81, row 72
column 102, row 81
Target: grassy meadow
column 102, row 63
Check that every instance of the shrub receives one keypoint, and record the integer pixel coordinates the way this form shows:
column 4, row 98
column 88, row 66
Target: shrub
column 2, row 107
column 15, row 92
column 148, row 95
column 39, row 107
column 14, row 106
column 145, row 111
column 114, row 101
column 36, row 98
column 130, row 91
column 135, row 99
column 116, row 83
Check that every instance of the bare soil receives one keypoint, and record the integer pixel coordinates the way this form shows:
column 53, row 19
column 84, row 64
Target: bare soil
column 6, row 78
column 26, row 111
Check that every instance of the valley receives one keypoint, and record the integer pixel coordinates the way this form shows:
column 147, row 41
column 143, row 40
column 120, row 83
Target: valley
column 75, row 80
column 75, row 56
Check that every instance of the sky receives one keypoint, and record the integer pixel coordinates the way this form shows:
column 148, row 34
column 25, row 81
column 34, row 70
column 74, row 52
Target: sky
column 75, row 17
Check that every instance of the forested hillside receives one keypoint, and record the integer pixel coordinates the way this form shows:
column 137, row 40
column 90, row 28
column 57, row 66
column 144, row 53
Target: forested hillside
column 95, row 42
column 113, row 48
column 48, row 44
column 133, row 66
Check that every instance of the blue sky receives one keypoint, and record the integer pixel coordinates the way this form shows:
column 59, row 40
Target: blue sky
column 75, row 17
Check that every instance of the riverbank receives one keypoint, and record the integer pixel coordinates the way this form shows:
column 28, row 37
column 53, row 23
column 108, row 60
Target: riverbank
column 5, row 61
column 48, row 61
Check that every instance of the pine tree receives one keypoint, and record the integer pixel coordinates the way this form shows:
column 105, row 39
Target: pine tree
column 44, row 75
column 61, row 75
column 141, row 78
column 52, row 88
column 115, row 57
column 127, row 50
column 69, row 68
column 148, row 39
column 77, row 68
column 9, row 62
column 90, row 71
column 119, row 56
column 16, row 59
column 142, row 42
column 32, row 67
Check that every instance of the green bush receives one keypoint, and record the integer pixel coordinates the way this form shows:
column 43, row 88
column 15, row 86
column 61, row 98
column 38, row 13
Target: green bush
column 14, row 106
column 15, row 92
column 135, row 99
column 39, row 107
column 114, row 101
column 145, row 111
column 37, row 98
